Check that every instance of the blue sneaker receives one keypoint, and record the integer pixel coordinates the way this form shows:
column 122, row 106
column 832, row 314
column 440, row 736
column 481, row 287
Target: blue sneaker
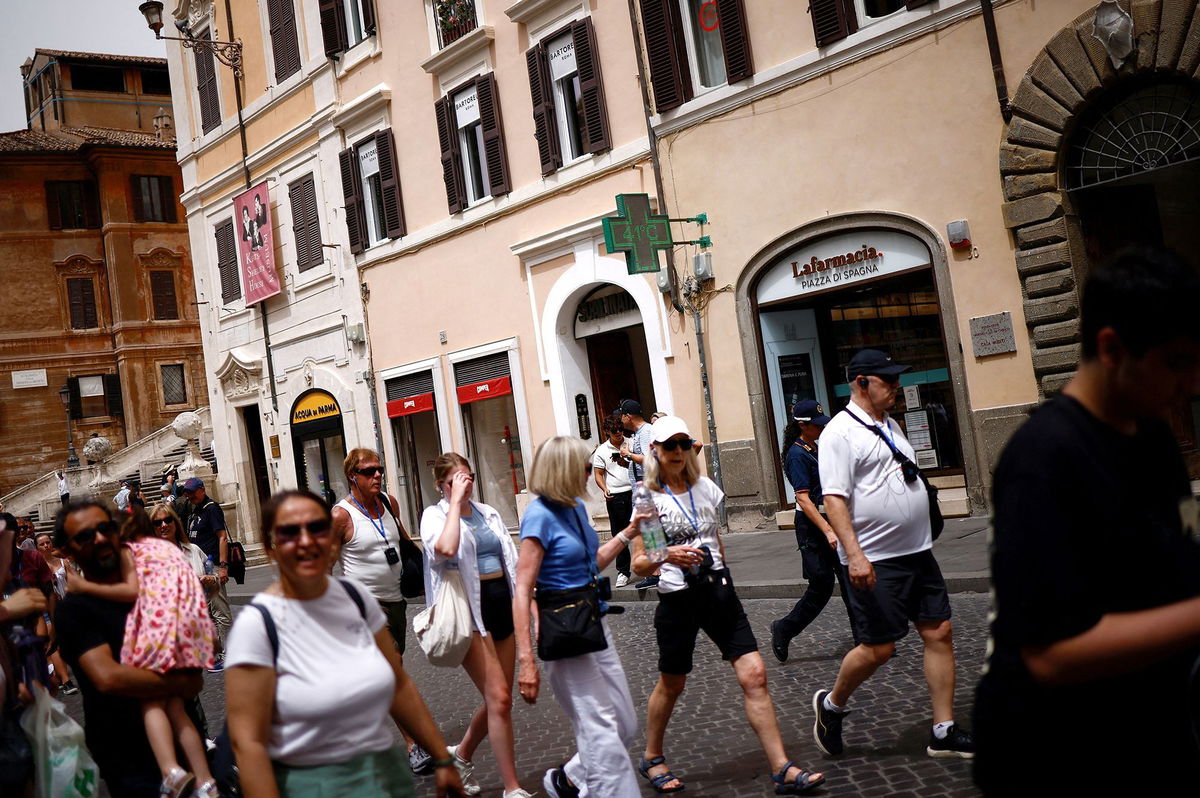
column 218, row 666
column 647, row 583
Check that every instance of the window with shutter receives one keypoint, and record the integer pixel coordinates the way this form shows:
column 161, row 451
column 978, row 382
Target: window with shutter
column 591, row 87
column 174, row 389
column 352, row 195
column 53, row 206
column 81, row 301
column 306, row 225
column 735, row 41
column 72, row 204
column 153, row 198
column 112, row 395
column 492, row 126
column 390, row 199
column 74, row 400
column 545, row 127
column 452, row 171
column 227, row 263
column 333, row 27
column 833, row 20
column 162, row 293
column 285, row 45
column 206, row 86
column 667, row 54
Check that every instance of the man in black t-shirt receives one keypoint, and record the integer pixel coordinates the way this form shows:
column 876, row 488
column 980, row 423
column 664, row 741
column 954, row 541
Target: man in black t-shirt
column 90, row 631
column 206, row 528
column 1095, row 563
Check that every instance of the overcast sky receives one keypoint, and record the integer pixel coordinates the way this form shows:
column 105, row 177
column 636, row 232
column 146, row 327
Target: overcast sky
column 93, row 26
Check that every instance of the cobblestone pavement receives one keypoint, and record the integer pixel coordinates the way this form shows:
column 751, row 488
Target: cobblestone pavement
column 709, row 743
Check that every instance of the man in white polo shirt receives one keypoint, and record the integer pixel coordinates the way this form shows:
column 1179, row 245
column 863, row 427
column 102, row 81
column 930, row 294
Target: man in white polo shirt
column 879, row 509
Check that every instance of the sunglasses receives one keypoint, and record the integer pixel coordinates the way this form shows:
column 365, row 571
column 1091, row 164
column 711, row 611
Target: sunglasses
column 163, row 521
column 289, row 533
column 85, row 537
column 369, row 472
column 671, row 444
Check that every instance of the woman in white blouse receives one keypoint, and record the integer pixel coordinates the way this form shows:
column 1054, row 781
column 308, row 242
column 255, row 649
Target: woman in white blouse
column 471, row 538
column 308, row 710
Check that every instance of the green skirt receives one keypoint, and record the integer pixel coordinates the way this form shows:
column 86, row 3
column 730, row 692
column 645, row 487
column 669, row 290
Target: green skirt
column 379, row 775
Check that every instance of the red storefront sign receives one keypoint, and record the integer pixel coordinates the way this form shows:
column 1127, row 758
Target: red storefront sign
column 421, row 403
column 501, row 386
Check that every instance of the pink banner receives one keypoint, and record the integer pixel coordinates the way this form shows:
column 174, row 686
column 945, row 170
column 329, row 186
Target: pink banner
column 256, row 243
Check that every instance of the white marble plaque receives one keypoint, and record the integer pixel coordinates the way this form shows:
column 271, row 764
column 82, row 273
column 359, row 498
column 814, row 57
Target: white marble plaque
column 29, row 378
column 993, row 335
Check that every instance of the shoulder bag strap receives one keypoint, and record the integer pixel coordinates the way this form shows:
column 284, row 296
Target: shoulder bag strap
column 402, row 533
column 897, row 455
column 353, row 594
column 591, row 561
column 272, row 631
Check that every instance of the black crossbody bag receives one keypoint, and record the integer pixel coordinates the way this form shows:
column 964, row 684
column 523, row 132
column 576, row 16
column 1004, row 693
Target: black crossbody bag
column 569, row 620
column 412, row 559
column 912, row 472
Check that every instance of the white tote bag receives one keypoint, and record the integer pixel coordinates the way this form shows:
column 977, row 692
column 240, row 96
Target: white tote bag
column 444, row 630
column 64, row 768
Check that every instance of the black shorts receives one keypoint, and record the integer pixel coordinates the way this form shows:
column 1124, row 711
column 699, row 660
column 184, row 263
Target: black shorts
column 495, row 604
column 908, row 588
column 716, row 609
column 397, row 621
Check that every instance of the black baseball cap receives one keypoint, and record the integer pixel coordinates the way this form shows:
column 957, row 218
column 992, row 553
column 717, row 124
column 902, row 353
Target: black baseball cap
column 809, row 411
column 630, row 406
column 874, row 362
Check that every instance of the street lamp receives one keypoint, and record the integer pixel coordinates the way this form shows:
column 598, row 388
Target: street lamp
column 228, row 53
column 64, row 393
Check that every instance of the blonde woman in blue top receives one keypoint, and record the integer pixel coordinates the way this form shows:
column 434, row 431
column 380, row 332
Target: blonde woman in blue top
column 470, row 538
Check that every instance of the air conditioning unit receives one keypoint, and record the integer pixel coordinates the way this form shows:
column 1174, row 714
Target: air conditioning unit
column 356, row 333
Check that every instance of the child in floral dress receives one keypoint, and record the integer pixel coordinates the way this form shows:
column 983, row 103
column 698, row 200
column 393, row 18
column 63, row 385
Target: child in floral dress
column 168, row 629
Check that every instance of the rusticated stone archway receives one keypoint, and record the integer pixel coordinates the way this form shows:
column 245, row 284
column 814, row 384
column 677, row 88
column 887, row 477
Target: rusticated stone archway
column 1071, row 72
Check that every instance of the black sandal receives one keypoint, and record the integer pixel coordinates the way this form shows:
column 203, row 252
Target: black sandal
column 803, row 783
column 658, row 781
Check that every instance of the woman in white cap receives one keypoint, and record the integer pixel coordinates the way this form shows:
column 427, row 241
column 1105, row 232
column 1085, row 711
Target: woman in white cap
column 696, row 592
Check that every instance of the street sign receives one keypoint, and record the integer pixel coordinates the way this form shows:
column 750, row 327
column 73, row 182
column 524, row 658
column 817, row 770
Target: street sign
column 637, row 233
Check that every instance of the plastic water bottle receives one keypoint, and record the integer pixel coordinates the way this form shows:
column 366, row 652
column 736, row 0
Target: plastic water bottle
column 209, row 566
column 653, row 536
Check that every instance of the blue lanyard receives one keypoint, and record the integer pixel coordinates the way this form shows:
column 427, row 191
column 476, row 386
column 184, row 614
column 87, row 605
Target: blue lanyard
column 886, row 429
column 694, row 518
column 381, row 529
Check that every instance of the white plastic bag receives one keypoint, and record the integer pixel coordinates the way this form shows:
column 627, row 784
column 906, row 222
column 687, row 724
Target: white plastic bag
column 63, row 768
column 444, row 630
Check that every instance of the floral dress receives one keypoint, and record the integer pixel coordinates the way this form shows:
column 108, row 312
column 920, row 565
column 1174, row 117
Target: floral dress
column 169, row 626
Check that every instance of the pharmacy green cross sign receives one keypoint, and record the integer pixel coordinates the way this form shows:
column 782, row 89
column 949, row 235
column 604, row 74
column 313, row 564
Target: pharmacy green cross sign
column 638, row 233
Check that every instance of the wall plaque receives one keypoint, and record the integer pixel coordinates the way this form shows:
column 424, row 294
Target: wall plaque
column 29, row 378
column 993, row 335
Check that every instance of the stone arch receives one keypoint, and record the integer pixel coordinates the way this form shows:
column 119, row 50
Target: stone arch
column 1056, row 91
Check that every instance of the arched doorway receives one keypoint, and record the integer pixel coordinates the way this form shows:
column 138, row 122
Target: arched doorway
column 319, row 444
column 608, row 323
column 1096, row 157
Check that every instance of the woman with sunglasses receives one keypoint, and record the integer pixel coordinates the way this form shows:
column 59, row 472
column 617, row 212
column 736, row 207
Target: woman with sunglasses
column 168, row 527
column 470, row 537
column 696, row 592
column 561, row 555
column 312, row 675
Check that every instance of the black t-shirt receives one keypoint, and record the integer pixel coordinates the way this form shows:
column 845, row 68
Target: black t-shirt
column 203, row 525
column 1088, row 522
column 113, row 726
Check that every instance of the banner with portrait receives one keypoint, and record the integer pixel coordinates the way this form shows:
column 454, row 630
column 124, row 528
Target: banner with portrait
column 255, row 243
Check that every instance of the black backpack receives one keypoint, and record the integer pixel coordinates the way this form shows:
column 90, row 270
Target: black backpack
column 224, row 764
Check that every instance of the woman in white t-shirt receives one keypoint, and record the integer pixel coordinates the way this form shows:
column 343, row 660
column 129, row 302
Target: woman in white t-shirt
column 309, row 717
column 696, row 592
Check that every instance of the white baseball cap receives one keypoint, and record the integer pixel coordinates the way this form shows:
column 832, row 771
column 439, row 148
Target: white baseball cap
column 668, row 427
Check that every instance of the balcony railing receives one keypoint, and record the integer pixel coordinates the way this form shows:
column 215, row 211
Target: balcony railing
column 456, row 18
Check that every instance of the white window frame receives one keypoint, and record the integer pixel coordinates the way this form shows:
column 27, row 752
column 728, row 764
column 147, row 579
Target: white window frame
column 354, row 10
column 860, row 11
column 470, row 140
column 374, row 221
column 693, row 51
column 561, row 112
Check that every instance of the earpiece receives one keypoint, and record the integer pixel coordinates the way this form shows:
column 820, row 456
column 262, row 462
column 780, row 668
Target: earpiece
column 863, row 382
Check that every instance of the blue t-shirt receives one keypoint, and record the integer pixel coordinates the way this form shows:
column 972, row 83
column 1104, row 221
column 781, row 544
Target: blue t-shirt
column 562, row 532
column 801, row 469
column 489, row 554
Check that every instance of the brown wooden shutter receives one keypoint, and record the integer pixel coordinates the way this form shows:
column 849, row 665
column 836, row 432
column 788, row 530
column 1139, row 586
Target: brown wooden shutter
column 545, row 124
column 206, row 87
column 667, row 54
column 162, row 293
column 306, row 225
column 227, row 262
column 74, row 400
column 833, row 20
column 356, row 217
column 112, row 395
column 135, row 189
column 81, row 302
column 91, row 205
column 452, row 171
column 168, row 198
column 596, row 136
column 53, row 205
column 735, row 40
column 493, row 134
column 916, row 3
column 333, row 27
column 389, row 178
column 368, row 16
column 285, row 47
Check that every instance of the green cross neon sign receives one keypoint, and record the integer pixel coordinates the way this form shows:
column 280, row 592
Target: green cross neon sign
column 638, row 233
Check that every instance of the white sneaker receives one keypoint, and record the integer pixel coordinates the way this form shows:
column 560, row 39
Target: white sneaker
column 466, row 771
column 175, row 784
column 518, row 793
column 622, row 580
column 207, row 790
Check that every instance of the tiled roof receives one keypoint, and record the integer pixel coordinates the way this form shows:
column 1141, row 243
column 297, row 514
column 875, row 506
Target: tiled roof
column 109, row 58
column 76, row 138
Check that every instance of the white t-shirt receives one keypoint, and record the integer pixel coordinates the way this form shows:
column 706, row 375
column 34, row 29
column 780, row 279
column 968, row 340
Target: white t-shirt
column 890, row 516
column 690, row 519
column 333, row 686
column 616, row 476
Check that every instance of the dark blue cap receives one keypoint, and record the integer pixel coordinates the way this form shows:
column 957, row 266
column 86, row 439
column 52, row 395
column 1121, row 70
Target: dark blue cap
column 809, row 411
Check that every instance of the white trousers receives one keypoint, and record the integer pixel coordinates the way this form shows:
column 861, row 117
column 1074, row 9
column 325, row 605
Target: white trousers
column 592, row 690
